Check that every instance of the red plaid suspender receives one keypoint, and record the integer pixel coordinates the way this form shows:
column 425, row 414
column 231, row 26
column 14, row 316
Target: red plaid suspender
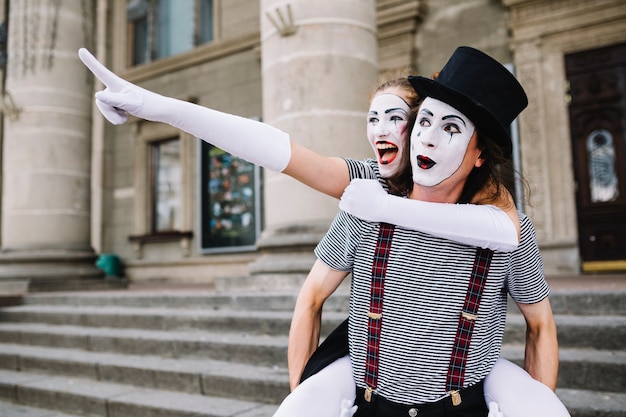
column 458, row 359
column 379, row 269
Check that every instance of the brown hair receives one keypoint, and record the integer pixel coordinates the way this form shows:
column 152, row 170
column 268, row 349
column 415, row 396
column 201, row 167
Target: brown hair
column 399, row 80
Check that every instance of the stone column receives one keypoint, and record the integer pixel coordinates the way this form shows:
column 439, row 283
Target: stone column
column 319, row 63
column 47, row 146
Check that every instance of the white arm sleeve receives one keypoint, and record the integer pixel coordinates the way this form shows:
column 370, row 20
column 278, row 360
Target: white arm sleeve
column 485, row 226
column 253, row 141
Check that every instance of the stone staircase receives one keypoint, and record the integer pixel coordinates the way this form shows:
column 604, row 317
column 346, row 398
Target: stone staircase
column 200, row 353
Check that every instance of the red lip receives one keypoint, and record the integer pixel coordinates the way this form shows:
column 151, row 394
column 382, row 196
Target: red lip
column 425, row 162
column 387, row 152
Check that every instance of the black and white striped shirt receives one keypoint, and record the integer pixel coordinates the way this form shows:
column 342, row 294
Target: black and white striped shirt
column 425, row 288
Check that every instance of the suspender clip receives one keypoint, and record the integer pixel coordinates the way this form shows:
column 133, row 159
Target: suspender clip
column 374, row 316
column 368, row 394
column 469, row 316
column 456, row 397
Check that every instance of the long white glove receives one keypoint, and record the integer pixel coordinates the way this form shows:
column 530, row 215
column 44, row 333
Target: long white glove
column 476, row 225
column 256, row 142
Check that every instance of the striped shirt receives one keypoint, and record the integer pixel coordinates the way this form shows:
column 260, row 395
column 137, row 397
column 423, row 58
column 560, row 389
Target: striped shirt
column 425, row 285
column 366, row 169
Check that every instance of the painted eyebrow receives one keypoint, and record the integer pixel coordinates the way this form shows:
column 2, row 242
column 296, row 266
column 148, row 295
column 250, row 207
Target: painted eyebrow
column 428, row 112
column 395, row 109
column 453, row 116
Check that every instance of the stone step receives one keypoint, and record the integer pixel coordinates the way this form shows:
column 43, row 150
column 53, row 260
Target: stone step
column 235, row 346
column 262, row 384
column 592, row 403
column 578, row 302
column 159, row 318
column 589, row 302
column 600, row 332
column 86, row 397
column 602, row 370
column 12, row 292
column 593, row 369
column 185, row 299
column 8, row 409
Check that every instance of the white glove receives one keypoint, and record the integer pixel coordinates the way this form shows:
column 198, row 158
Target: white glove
column 256, row 142
column 494, row 410
column 485, row 226
column 348, row 408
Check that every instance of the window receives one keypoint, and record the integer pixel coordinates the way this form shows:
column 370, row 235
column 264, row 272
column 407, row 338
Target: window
column 230, row 202
column 166, row 186
column 603, row 180
column 163, row 181
column 162, row 28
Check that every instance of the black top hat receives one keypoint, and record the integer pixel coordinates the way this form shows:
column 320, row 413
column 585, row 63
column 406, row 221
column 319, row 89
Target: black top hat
column 479, row 87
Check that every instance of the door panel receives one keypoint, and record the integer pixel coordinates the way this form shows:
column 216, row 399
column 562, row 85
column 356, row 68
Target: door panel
column 597, row 110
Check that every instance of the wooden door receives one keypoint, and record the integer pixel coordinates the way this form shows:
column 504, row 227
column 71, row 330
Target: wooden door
column 597, row 81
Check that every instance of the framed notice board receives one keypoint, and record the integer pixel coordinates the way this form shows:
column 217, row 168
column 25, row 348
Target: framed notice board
column 230, row 203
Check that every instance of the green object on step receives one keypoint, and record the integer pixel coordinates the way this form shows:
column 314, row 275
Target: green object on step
column 110, row 264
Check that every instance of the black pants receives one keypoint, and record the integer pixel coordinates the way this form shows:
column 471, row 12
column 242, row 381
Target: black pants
column 472, row 405
column 334, row 347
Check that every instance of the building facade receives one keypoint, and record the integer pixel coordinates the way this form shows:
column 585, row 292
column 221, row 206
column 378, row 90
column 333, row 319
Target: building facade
column 175, row 209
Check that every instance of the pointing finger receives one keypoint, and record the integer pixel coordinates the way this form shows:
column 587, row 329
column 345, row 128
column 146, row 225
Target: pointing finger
column 108, row 78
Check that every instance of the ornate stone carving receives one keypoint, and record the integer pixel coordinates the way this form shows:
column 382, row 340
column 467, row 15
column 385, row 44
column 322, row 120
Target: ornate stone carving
column 397, row 25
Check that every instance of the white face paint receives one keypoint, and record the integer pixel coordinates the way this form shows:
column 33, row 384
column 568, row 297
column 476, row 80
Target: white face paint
column 386, row 126
column 438, row 142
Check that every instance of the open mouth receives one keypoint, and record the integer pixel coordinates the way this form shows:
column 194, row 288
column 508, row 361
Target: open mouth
column 387, row 152
column 425, row 162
